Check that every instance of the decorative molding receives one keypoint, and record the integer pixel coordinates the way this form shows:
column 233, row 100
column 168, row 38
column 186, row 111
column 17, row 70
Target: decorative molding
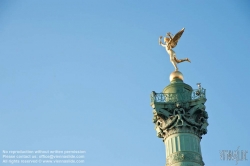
column 176, row 130
column 189, row 117
column 184, row 157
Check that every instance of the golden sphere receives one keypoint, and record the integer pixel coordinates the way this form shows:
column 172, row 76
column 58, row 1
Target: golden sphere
column 176, row 74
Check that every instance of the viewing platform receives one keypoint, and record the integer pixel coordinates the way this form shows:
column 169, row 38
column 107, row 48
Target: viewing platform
column 178, row 97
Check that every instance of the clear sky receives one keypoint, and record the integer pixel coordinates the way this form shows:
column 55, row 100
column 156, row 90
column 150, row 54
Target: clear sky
column 77, row 75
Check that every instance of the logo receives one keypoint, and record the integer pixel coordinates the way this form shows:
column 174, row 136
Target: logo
column 237, row 155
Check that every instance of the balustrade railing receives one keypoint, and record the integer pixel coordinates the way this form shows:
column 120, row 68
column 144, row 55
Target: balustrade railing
column 178, row 97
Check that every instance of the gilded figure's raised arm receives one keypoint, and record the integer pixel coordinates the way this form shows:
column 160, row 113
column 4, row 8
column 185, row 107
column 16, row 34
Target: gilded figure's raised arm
column 160, row 43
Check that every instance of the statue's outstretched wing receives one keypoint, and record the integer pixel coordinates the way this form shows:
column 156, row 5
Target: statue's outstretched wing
column 176, row 38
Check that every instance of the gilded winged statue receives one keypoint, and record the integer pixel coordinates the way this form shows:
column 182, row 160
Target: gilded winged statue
column 170, row 42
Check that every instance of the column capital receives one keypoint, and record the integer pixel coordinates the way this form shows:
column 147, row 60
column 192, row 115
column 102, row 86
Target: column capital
column 189, row 117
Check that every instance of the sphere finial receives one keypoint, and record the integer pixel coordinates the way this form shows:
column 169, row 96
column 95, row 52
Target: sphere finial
column 176, row 75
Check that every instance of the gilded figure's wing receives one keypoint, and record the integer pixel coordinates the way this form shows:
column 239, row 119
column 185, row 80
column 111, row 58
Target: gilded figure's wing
column 176, row 38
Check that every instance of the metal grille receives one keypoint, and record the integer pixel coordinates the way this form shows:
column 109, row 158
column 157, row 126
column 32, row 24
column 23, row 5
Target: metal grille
column 178, row 97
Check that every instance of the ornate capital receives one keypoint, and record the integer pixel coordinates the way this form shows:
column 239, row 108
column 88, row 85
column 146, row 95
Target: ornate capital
column 189, row 117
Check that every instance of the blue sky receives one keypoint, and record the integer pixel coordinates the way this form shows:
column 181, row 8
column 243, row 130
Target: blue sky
column 78, row 75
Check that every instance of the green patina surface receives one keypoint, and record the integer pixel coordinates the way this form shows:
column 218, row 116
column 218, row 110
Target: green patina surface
column 181, row 121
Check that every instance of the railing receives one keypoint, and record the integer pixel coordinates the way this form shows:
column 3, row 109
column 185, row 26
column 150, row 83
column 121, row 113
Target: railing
column 198, row 93
column 178, row 97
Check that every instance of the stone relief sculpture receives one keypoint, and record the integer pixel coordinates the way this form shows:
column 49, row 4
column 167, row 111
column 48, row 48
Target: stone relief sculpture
column 169, row 43
column 192, row 120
